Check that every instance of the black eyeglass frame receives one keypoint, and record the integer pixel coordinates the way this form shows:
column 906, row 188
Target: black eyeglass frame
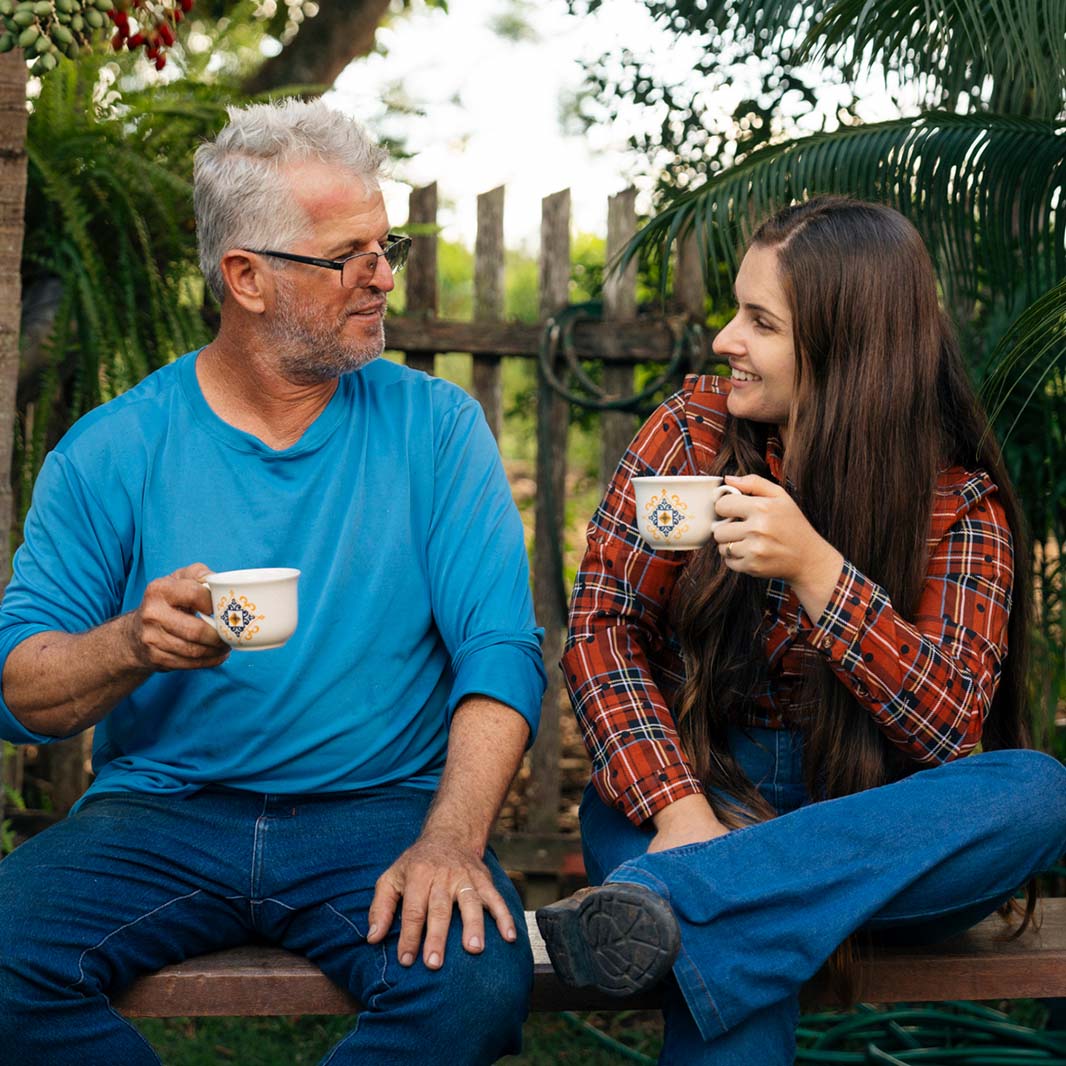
column 397, row 242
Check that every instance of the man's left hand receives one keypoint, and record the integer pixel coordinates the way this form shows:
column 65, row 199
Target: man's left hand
column 432, row 876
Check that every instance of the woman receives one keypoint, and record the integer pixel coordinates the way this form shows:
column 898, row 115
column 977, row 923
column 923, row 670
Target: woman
column 777, row 720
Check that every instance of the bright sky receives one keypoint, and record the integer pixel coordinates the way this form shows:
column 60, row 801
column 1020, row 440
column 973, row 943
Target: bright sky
column 492, row 108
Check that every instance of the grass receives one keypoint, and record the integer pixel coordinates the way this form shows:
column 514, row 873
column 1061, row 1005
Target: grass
column 548, row 1039
column 583, row 1039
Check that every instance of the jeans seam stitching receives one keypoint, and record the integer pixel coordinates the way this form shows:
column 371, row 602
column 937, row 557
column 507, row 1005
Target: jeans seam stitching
column 126, row 925
column 272, row 899
column 371, row 1000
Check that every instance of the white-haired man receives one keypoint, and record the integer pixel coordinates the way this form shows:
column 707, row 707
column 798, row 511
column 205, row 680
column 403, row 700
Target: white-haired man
column 334, row 796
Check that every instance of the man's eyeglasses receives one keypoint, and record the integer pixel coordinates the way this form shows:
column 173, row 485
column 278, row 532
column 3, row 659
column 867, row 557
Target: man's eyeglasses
column 357, row 271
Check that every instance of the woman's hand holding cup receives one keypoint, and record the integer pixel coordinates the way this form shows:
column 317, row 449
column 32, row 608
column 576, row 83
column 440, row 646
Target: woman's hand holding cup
column 769, row 537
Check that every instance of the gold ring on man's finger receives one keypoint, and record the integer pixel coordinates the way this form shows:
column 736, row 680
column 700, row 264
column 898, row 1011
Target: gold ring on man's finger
column 729, row 551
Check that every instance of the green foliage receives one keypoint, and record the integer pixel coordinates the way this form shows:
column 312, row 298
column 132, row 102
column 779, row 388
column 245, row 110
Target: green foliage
column 109, row 215
column 982, row 175
column 944, row 171
column 687, row 134
column 11, row 798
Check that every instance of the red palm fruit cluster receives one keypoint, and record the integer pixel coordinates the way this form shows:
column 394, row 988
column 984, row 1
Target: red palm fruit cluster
column 156, row 22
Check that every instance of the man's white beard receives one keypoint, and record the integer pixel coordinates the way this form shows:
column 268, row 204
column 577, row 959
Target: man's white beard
column 311, row 349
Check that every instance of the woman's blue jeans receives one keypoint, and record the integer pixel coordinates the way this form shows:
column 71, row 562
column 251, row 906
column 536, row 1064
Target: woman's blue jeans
column 131, row 883
column 763, row 907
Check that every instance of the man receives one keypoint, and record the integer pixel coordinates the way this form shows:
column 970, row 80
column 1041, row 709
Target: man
column 335, row 795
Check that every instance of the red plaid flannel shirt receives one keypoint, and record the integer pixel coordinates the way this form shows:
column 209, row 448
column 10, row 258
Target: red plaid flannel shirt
column 927, row 682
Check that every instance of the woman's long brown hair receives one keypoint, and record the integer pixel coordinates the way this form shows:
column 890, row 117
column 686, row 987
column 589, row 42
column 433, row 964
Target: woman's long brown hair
column 881, row 403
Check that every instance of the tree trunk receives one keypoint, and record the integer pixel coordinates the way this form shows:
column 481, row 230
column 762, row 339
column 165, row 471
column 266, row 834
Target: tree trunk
column 324, row 46
column 12, row 221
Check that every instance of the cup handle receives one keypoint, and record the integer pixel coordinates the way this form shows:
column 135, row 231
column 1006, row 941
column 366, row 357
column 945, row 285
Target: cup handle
column 722, row 490
column 208, row 618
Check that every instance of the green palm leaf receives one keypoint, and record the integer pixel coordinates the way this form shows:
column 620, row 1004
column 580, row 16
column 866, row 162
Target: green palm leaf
column 1029, row 354
column 1020, row 44
column 984, row 191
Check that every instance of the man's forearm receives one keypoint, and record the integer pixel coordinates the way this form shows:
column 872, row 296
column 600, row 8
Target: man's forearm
column 61, row 683
column 485, row 747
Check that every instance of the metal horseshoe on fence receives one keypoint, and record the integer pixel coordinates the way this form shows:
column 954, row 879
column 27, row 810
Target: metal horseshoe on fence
column 558, row 336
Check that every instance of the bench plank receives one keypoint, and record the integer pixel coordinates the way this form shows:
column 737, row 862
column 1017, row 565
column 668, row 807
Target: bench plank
column 980, row 964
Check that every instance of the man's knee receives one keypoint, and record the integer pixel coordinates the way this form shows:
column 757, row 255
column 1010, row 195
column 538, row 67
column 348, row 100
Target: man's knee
column 488, row 993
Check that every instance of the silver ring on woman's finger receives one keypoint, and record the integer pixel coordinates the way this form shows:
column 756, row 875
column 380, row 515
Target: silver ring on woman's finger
column 729, row 551
column 469, row 888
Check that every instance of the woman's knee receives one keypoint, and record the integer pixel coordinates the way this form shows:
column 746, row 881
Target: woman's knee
column 1031, row 799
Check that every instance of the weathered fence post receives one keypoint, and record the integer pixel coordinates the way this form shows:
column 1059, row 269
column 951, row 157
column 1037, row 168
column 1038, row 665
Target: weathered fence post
column 548, row 594
column 488, row 301
column 12, row 210
column 619, row 305
column 422, row 299
column 690, row 290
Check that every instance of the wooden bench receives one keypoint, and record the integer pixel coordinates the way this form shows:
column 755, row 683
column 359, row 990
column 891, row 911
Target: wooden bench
column 981, row 964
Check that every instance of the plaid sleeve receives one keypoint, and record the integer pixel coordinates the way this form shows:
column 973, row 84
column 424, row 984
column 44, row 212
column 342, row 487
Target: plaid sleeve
column 619, row 599
column 929, row 683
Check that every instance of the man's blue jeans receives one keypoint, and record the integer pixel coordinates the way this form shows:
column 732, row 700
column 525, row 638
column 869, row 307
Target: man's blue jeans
column 131, row 883
column 763, row 907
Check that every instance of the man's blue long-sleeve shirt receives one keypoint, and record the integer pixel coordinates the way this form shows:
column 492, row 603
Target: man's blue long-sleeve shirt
column 414, row 590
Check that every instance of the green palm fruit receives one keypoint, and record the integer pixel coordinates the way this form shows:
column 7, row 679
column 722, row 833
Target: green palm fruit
column 11, row 26
column 43, row 8
column 7, row 42
column 44, row 64
column 24, row 18
column 28, row 36
column 103, row 5
column 71, row 51
column 93, row 18
column 43, row 44
column 61, row 35
column 66, row 6
column 77, row 23
column 7, row 8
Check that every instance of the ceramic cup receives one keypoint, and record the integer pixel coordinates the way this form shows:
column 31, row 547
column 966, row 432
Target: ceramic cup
column 254, row 609
column 677, row 514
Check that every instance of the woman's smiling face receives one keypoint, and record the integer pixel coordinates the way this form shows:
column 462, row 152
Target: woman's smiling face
column 758, row 343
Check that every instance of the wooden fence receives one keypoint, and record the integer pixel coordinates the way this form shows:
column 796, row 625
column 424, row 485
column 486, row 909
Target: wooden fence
column 620, row 340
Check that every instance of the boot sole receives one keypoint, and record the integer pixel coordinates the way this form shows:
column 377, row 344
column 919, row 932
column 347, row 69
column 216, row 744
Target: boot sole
column 620, row 938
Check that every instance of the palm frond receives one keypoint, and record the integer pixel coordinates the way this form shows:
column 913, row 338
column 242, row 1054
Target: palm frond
column 1019, row 44
column 1028, row 356
column 984, row 190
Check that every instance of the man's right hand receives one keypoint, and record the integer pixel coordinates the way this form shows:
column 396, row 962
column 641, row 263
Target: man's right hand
column 164, row 633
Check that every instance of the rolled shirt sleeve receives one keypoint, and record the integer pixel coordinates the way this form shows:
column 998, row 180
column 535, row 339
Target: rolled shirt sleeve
column 479, row 572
